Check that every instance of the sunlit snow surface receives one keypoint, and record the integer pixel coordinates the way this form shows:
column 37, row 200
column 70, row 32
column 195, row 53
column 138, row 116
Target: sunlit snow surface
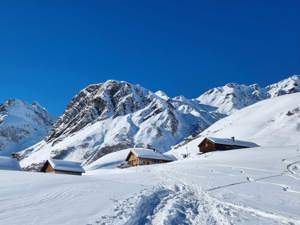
column 247, row 186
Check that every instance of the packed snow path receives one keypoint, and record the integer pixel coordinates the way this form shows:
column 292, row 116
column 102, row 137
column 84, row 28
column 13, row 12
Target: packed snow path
column 184, row 204
column 250, row 186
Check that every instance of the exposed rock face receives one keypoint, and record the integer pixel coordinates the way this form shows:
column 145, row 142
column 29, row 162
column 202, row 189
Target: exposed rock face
column 108, row 117
column 22, row 125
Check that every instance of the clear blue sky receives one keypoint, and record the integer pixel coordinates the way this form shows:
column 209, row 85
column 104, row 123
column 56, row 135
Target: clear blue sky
column 51, row 49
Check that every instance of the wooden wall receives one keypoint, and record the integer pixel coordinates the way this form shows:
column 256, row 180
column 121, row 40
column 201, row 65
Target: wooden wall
column 135, row 161
column 207, row 146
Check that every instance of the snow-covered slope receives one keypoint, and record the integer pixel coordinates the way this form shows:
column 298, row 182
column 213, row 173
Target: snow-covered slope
column 274, row 121
column 232, row 97
column 247, row 186
column 115, row 115
column 22, row 125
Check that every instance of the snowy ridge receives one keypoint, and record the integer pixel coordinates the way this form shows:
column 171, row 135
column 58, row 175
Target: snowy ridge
column 287, row 86
column 22, row 125
column 232, row 97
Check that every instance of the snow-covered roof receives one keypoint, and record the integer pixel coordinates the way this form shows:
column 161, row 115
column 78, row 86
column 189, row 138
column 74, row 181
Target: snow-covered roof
column 150, row 154
column 232, row 141
column 66, row 165
column 7, row 163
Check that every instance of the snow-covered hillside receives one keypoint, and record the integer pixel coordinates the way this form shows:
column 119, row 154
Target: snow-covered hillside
column 248, row 186
column 115, row 115
column 22, row 125
column 232, row 97
column 274, row 121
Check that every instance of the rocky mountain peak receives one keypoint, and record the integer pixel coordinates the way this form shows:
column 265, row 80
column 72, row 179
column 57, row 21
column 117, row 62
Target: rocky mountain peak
column 22, row 124
column 286, row 86
column 114, row 115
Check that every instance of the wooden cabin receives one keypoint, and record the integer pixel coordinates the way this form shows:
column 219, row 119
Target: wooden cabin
column 210, row 144
column 141, row 156
column 62, row 167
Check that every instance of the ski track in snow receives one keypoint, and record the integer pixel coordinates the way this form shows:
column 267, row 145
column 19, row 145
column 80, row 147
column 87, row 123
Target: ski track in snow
column 175, row 202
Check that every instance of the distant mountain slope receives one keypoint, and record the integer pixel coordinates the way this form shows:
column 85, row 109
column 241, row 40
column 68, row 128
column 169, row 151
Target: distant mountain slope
column 232, row 97
column 22, row 125
column 272, row 122
column 287, row 86
column 115, row 115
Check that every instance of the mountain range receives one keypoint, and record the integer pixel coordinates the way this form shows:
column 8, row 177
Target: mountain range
column 114, row 115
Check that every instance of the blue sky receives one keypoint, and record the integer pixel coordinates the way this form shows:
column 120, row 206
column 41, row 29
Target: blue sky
column 51, row 49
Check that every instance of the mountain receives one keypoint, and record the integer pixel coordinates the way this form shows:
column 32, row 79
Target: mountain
column 115, row 115
column 233, row 97
column 22, row 125
column 271, row 122
column 287, row 86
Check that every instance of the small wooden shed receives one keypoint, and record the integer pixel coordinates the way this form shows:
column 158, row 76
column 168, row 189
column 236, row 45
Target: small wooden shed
column 210, row 144
column 142, row 156
column 62, row 167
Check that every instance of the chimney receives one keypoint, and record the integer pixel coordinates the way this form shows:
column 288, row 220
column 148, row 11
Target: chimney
column 232, row 138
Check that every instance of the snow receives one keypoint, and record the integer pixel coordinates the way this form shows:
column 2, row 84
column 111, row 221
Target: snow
column 233, row 97
column 231, row 141
column 22, row 125
column 250, row 186
column 286, row 86
column 109, row 161
column 66, row 165
column 7, row 163
column 117, row 115
column 162, row 95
